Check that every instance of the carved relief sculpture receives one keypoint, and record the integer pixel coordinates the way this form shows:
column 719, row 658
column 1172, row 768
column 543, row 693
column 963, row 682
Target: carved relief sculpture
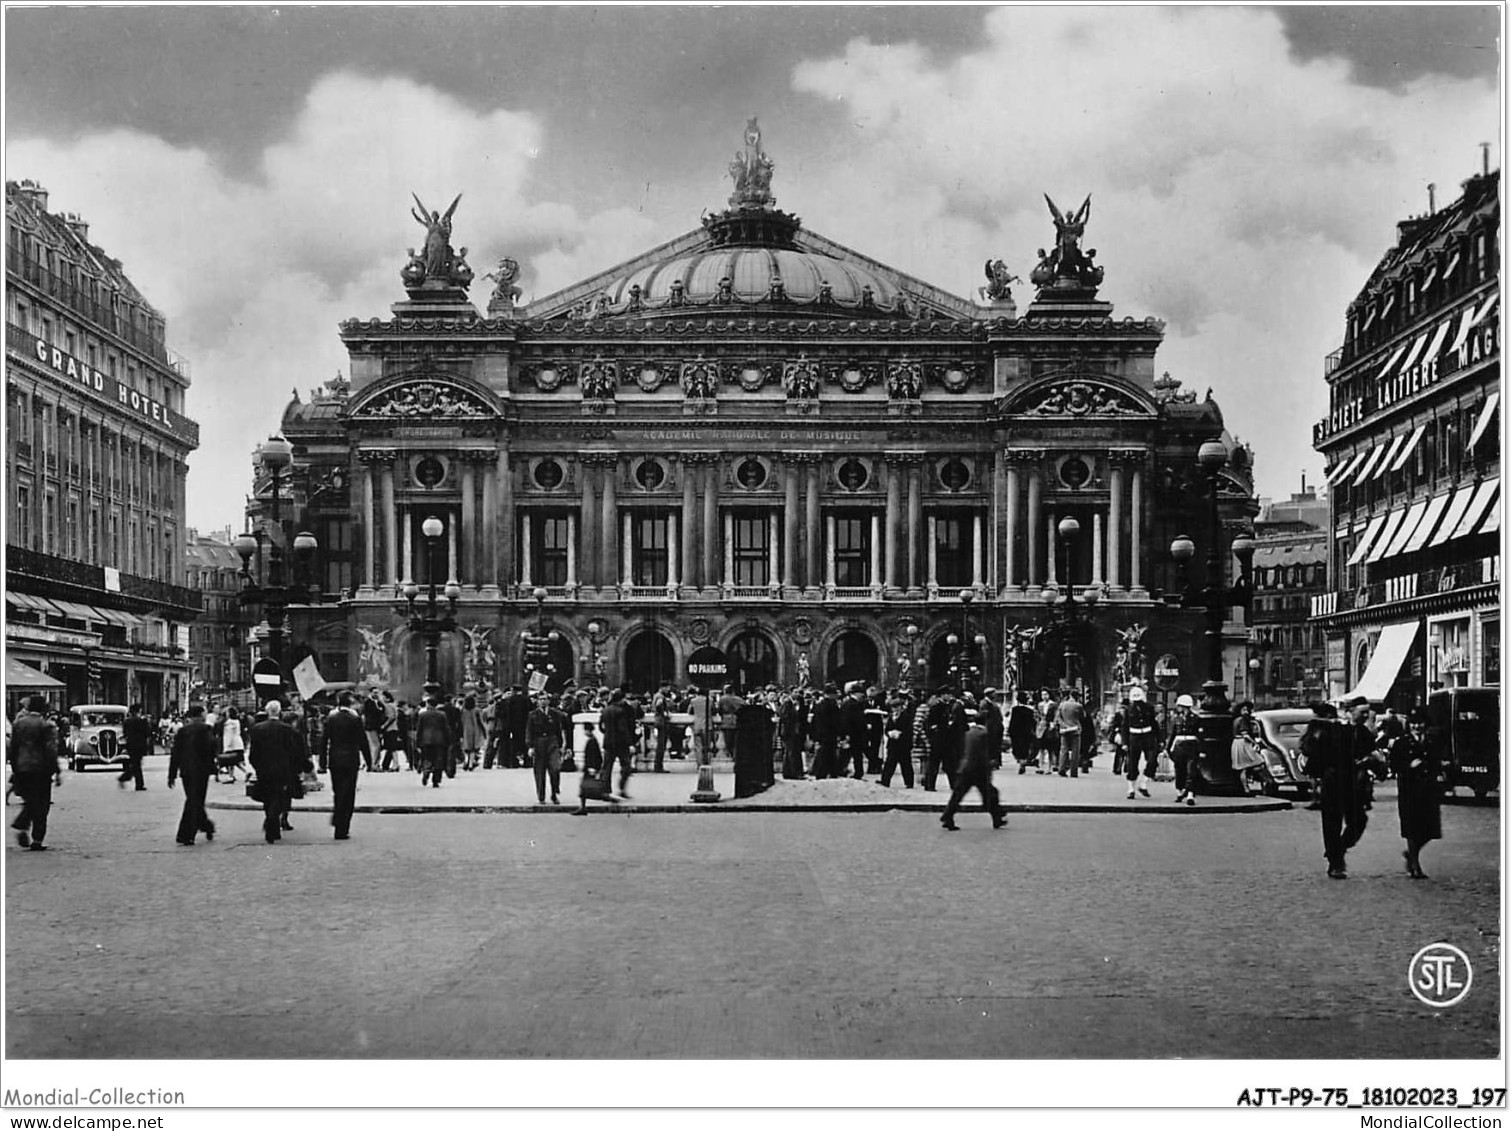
column 905, row 381
column 373, row 663
column 425, row 399
column 598, row 379
column 1080, row 398
column 699, row 379
column 800, row 378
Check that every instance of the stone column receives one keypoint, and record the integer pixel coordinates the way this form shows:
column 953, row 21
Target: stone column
column 1136, row 532
column 627, row 546
column 894, row 526
column 588, row 538
column 453, row 562
column 1096, row 547
column 390, row 521
column 875, row 554
column 812, row 522
column 789, row 577
column 507, row 568
column 915, row 525
column 406, row 551
column 728, row 576
column 772, row 579
column 608, row 546
column 465, row 570
column 1010, row 560
column 689, row 522
column 996, row 523
column 1115, row 525
column 571, row 550
column 829, row 570
column 711, row 523
column 1051, row 570
column 369, row 531
column 976, row 550
column 488, row 567
column 525, row 556
column 673, row 578
column 933, row 559
column 1035, row 493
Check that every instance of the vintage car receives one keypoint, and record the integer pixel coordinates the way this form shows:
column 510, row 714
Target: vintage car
column 1280, row 732
column 94, row 736
column 1463, row 727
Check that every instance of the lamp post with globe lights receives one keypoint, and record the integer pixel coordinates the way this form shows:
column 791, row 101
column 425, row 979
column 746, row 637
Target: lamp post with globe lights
column 538, row 644
column 962, row 659
column 1214, row 720
column 1069, row 603
column 595, row 637
column 268, row 592
column 430, row 620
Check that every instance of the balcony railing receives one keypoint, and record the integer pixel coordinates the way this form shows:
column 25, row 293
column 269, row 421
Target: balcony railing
column 1423, row 583
column 68, row 572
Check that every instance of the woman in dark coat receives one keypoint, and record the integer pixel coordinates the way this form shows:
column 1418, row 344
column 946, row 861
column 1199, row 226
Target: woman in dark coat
column 1416, row 770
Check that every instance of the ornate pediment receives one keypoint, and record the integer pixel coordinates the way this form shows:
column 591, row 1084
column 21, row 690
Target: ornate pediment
column 424, row 399
column 1077, row 398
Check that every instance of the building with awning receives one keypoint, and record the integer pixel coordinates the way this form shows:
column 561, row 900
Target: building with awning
column 1412, row 441
column 95, row 469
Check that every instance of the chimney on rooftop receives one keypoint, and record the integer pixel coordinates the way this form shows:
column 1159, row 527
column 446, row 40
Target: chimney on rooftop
column 34, row 194
column 1432, row 198
column 78, row 225
column 1484, row 158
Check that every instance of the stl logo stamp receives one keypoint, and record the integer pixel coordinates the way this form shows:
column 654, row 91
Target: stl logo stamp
column 1440, row 975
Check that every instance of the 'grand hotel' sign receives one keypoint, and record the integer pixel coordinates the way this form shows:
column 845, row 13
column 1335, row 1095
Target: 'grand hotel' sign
column 145, row 408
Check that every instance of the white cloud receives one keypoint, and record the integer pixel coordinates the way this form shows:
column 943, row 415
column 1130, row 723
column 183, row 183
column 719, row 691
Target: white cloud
column 255, row 276
column 1240, row 195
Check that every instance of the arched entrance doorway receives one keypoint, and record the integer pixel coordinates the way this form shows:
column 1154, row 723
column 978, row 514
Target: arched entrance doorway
column 752, row 661
column 648, row 662
column 853, row 656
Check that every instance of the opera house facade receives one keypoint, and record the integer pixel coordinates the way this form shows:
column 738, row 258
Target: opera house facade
column 755, row 438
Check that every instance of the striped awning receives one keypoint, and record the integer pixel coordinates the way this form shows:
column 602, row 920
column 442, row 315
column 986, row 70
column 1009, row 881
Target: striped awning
column 1484, row 494
column 1408, row 528
column 1392, row 527
column 1390, row 456
column 1389, row 366
column 1385, row 661
column 115, row 616
column 1416, row 348
column 1435, row 508
column 1493, row 518
column 1362, row 546
column 1435, row 346
column 1455, row 512
column 1484, row 421
column 1368, row 465
column 1346, row 465
column 77, row 611
column 31, row 602
column 1411, row 446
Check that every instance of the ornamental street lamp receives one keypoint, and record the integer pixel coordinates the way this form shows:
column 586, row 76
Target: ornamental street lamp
column 595, row 637
column 431, row 620
column 538, row 645
column 1214, row 720
column 1068, row 604
column 269, row 593
column 911, row 632
column 962, row 661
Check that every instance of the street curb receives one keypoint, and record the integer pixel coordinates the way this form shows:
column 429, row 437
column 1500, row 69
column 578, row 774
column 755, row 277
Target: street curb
column 1270, row 805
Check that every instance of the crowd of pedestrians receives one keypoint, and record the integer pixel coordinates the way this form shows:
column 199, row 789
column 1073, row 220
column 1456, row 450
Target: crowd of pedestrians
column 855, row 731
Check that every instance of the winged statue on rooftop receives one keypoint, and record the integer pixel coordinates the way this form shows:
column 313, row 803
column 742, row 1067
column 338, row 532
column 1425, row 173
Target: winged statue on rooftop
column 436, row 261
column 1067, row 265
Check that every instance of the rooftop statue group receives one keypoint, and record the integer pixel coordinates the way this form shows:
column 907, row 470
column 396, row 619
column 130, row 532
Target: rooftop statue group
column 751, row 171
column 1067, row 266
column 436, row 265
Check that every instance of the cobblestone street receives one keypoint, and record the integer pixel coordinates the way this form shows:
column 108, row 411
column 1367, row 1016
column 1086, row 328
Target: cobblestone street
column 737, row 935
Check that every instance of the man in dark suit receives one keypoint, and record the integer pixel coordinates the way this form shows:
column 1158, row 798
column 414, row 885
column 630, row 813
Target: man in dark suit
column 345, row 745
column 826, row 731
column 276, row 755
column 432, row 735
column 516, row 716
column 136, row 735
column 945, row 726
column 617, row 721
column 193, row 759
column 1021, row 732
column 974, row 772
column 853, row 725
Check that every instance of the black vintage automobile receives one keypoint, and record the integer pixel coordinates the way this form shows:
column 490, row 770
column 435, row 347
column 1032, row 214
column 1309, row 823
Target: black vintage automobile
column 1280, row 732
column 1464, row 728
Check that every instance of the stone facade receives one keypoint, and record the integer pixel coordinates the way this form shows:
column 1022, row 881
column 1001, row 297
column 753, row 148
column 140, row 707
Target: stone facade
column 754, row 437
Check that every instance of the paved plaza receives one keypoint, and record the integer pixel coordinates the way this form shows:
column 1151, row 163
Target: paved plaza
column 798, row 934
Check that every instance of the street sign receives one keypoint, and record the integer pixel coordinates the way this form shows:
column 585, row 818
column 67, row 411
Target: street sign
column 708, row 668
column 267, row 674
column 1167, row 672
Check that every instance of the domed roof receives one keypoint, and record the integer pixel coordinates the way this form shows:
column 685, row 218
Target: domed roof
column 749, row 275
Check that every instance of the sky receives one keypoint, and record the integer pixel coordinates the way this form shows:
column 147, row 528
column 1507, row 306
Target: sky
column 252, row 165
